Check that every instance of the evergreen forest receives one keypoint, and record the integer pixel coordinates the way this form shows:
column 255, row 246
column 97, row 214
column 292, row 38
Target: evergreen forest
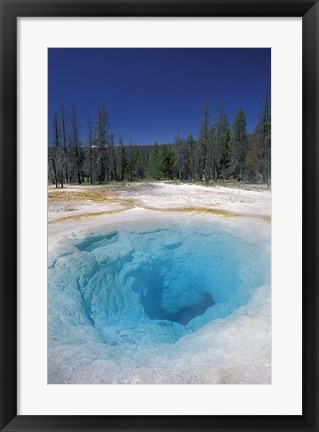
column 218, row 151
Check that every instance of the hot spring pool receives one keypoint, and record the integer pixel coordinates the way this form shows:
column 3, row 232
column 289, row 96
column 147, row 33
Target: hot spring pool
column 142, row 298
column 136, row 288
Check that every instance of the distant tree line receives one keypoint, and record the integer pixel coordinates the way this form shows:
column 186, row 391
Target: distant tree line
column 221, row 151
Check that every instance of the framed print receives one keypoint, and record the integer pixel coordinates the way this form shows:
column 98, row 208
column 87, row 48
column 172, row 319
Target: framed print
column 159, row 215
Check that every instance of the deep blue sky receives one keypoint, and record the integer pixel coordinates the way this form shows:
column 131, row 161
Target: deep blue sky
column 151, row 93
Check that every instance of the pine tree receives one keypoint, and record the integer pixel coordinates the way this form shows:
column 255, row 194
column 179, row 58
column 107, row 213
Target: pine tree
column 253, row 158
column 167, row 162
column 131, row 160
column 203, row 143
column 219, row 140
column 137, row 164
column 123, row 159
column 76, row 144
column 58, row 156
column 156, row 169
column 239, row 145
column 103, row 142
column 113, row 159
column 190, row 157
column 179, row 154
column 226, row 153
column 90, row 150
column 263, row 134
column 65, row 147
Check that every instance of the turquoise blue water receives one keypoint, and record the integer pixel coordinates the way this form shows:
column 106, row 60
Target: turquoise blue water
column 154, row 285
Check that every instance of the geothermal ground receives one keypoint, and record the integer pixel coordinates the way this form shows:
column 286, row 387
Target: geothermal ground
column 99, row 335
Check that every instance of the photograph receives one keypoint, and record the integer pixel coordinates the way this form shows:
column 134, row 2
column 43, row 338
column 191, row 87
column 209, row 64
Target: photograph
column 159, row 216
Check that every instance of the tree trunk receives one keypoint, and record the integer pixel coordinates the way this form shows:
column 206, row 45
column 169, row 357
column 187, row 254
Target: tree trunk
column 55, row 173
column 91, row 169
column 78, row 164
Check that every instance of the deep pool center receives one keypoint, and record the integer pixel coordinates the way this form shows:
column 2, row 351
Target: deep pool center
column 146, row 286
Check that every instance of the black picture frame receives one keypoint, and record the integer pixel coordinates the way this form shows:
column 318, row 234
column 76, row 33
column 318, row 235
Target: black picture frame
column 10, row 11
